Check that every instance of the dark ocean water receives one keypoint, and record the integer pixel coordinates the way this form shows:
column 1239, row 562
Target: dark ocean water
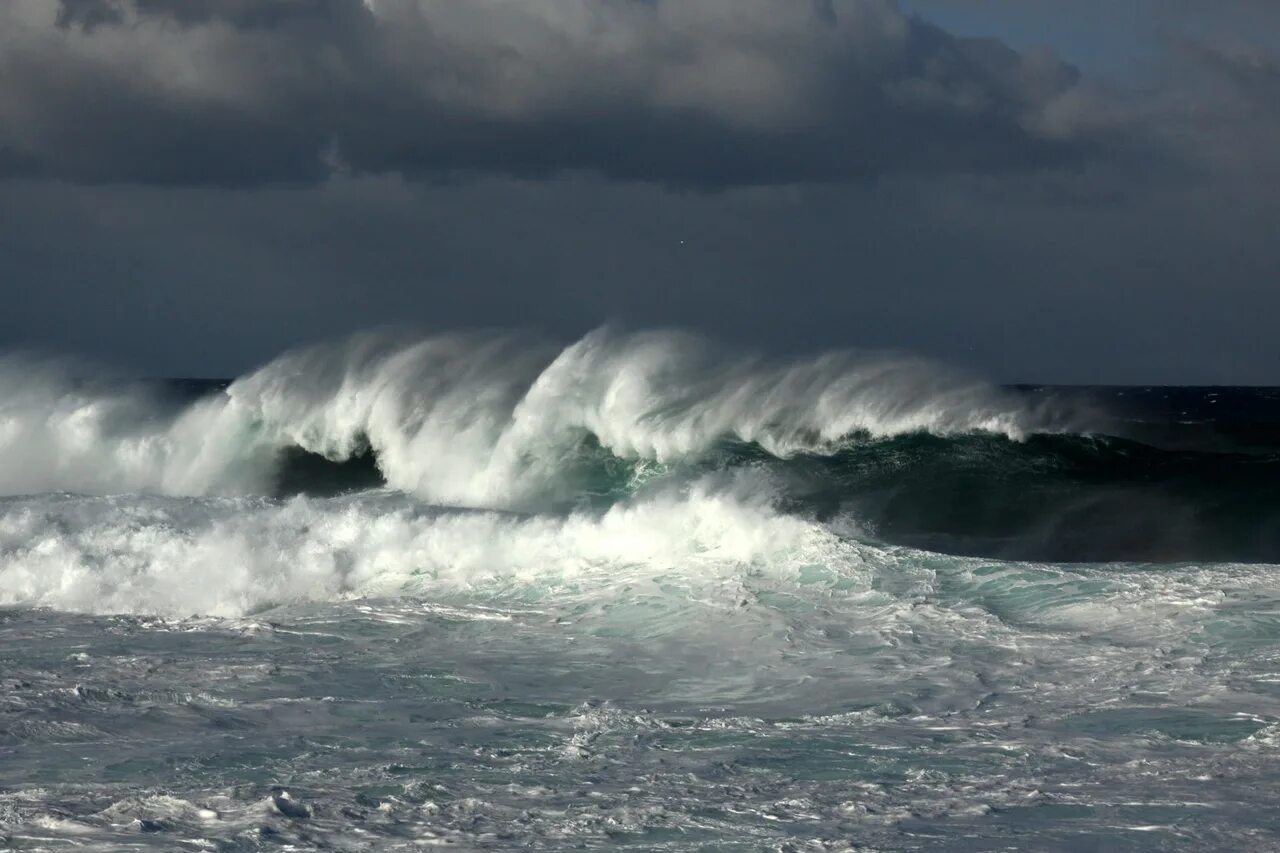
column 634, row 593
column 1173, row 473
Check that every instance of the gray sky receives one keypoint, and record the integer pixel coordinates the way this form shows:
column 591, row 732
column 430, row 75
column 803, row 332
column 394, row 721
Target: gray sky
column 188, row 187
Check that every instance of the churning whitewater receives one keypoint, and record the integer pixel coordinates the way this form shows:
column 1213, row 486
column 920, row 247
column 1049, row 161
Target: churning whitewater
column 638, row 592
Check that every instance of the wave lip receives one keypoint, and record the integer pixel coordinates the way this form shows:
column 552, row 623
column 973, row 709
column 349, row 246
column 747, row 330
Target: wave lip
column 479, row 419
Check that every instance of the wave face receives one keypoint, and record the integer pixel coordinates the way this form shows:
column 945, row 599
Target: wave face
column 639, row 592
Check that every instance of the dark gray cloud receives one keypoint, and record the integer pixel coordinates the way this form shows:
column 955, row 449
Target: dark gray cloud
column 704, row 93
column 1174, row 285
column 1240, row 86
column 190, row 186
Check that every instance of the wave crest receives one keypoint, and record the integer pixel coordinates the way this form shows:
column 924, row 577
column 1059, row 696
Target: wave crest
column 479, row 419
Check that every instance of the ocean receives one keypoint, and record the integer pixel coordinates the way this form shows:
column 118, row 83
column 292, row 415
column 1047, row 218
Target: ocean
column 641, row 592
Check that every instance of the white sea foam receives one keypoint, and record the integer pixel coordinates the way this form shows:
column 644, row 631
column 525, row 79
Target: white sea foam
column 62, row 430
column 480, row 420
column 232, row 556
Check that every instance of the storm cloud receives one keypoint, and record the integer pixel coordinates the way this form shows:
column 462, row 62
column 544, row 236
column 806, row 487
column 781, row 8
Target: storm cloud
column 701, row 93
column 187, row 187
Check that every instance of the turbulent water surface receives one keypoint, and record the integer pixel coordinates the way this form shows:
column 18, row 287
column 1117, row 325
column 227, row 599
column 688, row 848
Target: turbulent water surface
column 479, row 591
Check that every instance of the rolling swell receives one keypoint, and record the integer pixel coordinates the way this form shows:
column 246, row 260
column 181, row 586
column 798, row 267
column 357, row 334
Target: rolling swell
column 915, row 454
column 1061, row 498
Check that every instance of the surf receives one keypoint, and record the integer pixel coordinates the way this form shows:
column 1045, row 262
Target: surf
column 477, row 419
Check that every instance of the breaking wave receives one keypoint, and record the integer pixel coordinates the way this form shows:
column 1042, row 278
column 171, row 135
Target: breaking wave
column 393, row 465
column 396, row 591
column 479, row 420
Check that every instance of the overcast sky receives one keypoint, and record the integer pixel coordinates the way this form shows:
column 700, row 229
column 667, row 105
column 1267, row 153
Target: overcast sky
column 1043, row 191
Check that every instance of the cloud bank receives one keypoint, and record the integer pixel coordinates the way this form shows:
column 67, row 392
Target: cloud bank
column 698, row 93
